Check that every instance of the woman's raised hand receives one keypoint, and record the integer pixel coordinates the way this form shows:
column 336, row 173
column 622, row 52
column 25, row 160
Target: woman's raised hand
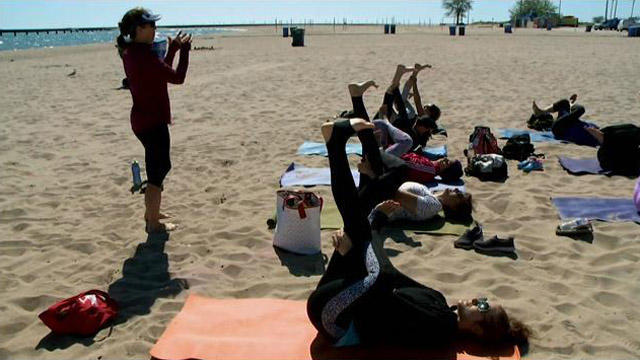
column 180, row 40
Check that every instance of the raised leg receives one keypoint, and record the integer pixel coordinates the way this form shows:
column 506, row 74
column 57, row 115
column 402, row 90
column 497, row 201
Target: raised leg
column 344, row 190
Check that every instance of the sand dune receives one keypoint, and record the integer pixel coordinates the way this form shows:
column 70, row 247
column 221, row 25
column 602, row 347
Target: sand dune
column 68, row 222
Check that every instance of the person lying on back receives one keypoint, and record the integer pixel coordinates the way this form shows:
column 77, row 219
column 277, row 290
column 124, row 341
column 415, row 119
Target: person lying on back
column 568, row 125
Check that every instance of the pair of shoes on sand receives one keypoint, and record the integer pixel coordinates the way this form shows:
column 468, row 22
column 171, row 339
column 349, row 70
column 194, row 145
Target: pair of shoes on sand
column 532, row 163
column 474, row 239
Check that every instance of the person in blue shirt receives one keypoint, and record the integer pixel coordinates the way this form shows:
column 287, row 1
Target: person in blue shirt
column 568, row 125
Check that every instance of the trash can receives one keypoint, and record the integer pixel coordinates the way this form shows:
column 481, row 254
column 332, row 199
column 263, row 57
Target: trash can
column 589, row 27
column 461, row 30
column 507, row 29
column 386, row 28
column 392, row 28
column 285, row 32
column 548, row 26
column 452, row 30
column 298, row 37
column 634, row 31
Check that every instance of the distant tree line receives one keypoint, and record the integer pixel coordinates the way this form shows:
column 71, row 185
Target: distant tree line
column 534, row 9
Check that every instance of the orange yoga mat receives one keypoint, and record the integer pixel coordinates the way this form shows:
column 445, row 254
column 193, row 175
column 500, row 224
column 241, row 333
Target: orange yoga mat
column 268, row 329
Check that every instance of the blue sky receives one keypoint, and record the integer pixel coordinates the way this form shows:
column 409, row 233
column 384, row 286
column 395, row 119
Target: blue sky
column 77, row 13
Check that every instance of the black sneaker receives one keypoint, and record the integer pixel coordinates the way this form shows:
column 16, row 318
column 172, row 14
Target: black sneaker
column 495, row 246
column 470, row 236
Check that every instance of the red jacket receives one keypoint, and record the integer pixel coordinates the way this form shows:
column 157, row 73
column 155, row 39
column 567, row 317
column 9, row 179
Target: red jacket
column 148, row 77
column 420, row 168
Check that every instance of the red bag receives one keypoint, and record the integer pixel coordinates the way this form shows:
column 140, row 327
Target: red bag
column 421, row 169
column 83, row 314
column 483, row 142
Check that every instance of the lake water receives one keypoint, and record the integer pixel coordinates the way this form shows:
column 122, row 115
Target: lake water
column 33, row 40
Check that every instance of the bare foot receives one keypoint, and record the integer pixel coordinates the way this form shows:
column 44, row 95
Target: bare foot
column 536, row 110
column 573, row 98
column 356, row 123
column 357, row 89
column 400, row 70
column 417, row 68
column 341, row 242
column 161, row 228
column 326, row 129
column 364, row 167
column 359, row 124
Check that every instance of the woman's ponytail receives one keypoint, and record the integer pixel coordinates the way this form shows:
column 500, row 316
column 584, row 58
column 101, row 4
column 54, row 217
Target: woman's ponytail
column 127, row 32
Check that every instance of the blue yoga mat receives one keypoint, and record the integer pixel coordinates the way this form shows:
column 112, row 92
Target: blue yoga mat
column 536, row 136
column 297, row 175
column 316, row 148
column 582, row 166
column 605, row 209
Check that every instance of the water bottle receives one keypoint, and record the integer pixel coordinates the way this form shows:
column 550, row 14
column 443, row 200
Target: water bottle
column 573, row 224
column 135, row 170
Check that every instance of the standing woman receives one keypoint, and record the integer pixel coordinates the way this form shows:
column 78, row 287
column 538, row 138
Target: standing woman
column 148, row 76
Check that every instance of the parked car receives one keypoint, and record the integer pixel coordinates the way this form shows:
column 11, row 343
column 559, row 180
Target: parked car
column 624, row 24
column 611, row 24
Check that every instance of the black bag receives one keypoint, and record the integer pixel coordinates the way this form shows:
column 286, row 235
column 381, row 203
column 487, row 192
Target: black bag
column 518, row 147
column 487, row 167
column 542, row 122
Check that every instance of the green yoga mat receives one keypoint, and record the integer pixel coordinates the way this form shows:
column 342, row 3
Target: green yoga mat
column 330, row 219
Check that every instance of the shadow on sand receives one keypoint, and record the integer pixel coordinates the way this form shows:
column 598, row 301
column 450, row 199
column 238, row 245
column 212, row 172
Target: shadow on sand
column 302, row 265
column 145, row 278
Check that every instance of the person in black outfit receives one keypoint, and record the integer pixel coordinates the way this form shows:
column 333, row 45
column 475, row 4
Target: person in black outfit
column 394, row 108
column 619, row 150
column 420, row 127
column 568, row 125
column 361, row 295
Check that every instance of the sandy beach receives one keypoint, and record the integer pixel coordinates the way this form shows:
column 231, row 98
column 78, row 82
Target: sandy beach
column 68, row 222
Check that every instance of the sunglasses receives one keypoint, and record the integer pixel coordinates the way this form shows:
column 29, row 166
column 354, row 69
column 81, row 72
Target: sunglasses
column 482, row 304
column 152, row 24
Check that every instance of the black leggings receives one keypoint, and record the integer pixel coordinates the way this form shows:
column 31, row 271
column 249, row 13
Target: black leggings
column 360, row 288
column 157, row 144
column 329, row 316
column 359, row 110
column 390, row 100
column 620, row 150
column 567, row 116
column 390, row 171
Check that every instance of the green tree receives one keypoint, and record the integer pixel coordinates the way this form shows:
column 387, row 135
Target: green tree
column 458, row 8
column 533, row 8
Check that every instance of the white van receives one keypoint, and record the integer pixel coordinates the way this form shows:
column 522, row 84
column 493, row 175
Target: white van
column 624, row 24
